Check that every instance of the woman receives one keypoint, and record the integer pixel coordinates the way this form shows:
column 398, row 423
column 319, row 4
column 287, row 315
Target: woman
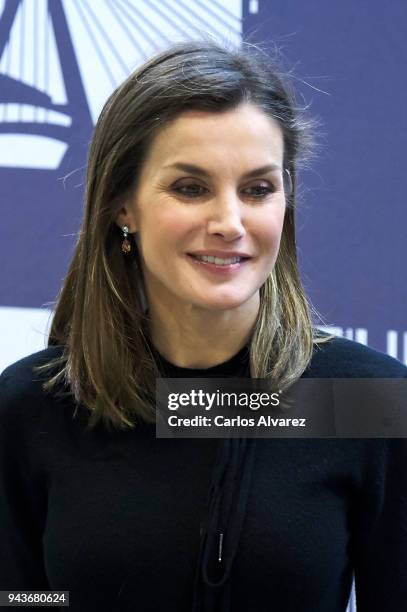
column 186, row 267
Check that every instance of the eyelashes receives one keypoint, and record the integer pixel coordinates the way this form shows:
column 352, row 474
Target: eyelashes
column 190, row 191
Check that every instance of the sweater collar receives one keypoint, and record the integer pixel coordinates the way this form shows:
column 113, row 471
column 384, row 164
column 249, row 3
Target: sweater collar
column 237, row 366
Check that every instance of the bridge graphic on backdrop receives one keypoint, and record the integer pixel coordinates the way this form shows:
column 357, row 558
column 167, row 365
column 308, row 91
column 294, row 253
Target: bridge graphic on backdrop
column 44, row 128
column 59, row 61
column 47, row 86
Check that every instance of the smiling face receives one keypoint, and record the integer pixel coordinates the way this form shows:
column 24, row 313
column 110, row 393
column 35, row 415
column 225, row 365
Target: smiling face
column 220, row 210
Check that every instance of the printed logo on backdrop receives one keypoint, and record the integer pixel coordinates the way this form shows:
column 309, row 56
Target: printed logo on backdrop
column 394, row 342
column 59, row 61
column 43, row 102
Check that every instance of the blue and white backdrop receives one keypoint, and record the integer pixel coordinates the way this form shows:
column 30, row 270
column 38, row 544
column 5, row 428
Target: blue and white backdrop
column 60, row 59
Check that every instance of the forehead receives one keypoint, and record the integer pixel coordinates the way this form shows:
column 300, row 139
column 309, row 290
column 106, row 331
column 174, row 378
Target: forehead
column 244, row 134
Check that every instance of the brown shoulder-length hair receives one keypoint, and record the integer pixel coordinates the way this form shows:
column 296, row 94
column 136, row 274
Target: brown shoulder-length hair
column 100, row 317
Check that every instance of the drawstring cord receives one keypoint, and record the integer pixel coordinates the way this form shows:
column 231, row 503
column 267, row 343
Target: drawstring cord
column 226, row 506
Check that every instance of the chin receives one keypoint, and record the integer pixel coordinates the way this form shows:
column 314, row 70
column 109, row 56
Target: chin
column 224, row 303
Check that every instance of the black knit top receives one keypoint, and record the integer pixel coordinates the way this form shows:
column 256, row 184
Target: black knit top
column 126, row 521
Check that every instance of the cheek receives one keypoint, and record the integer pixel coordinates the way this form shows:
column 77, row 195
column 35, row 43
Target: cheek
column 269, row 230
column 166, row 231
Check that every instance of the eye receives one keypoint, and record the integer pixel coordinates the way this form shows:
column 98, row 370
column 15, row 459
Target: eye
column 265, row 191
column 192, row 190
column 188, row 190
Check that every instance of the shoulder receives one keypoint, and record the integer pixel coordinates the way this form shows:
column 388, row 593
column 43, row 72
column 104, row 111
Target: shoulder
column 21, row 385
column 343, row 358
column 22, row 371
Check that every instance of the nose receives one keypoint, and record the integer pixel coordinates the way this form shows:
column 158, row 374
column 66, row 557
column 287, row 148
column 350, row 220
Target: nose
column 225, row 217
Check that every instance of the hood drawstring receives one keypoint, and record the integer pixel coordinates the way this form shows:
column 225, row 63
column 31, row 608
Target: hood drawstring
column 227, row 496
column 226, row 507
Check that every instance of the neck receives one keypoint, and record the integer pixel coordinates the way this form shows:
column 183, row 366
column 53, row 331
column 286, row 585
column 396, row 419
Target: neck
column 201, row 338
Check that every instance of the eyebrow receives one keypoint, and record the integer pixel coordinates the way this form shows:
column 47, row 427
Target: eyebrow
column 201, row 171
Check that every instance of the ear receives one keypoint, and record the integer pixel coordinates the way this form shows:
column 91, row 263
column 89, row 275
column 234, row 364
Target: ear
column 126, row 216
column 288, row 182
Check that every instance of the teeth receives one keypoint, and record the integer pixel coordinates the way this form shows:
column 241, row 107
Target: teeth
column 218, row 260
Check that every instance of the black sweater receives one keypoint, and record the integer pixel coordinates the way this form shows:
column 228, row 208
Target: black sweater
column 117, row 519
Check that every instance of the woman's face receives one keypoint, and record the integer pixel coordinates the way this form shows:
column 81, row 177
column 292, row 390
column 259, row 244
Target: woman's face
column 195, row 197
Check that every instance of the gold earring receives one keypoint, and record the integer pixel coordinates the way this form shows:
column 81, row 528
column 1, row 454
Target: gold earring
column 126, row 246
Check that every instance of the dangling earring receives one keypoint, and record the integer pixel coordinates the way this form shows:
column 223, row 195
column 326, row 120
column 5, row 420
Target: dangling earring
column 126, row 246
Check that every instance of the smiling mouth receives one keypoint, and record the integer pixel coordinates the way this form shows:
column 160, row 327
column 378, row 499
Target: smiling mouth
column 219, row 261
column 219, row 266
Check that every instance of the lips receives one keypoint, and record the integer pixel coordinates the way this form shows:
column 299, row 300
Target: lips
column 218, row 269
column 220, row 255
column 240, row 257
